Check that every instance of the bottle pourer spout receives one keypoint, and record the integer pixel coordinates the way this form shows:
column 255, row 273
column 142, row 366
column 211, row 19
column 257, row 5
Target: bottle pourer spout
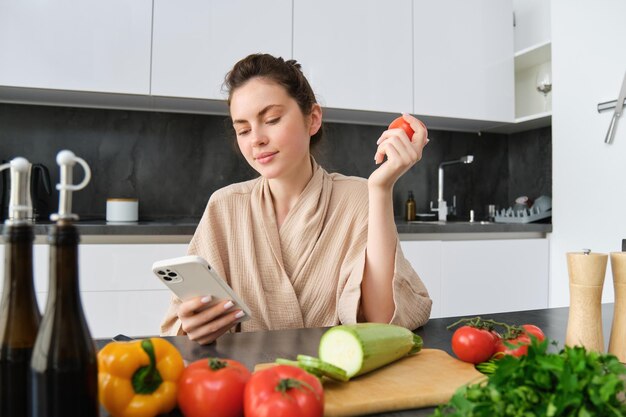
column 66, row 161
column 20, row 204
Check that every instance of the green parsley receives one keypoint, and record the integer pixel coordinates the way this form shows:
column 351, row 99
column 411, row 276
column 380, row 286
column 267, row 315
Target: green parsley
column 573, row 382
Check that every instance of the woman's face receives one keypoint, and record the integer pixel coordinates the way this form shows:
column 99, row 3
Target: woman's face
column 272, row 133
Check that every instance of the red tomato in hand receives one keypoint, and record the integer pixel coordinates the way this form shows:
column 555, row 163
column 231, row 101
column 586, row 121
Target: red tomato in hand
column 400, row 123
column 531, row 329
column 212, row 387
column 285, row 391
column 473, row 345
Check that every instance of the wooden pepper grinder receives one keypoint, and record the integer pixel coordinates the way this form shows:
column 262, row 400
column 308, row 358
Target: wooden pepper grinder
column 586, row 279
column 617, row 343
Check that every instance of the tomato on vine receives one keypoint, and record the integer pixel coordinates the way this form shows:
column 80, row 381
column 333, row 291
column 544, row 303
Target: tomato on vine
column 473, row 345
column 477, row 340
column 533, row 330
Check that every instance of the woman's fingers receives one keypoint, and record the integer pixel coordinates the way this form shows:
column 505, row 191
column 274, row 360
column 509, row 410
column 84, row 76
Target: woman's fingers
column 210, row 336
column 194, row 318
column 406, row 151
column 210, row 331
column 421, row 132
column 189, row 307
column 418, row 141
column 387, row 135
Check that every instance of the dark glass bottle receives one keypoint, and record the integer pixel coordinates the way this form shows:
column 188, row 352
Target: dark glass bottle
column 410, row 207
column 19, row 320
column 64, row 367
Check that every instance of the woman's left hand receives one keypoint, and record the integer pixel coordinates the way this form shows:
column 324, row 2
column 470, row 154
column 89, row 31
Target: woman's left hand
column 402, row 153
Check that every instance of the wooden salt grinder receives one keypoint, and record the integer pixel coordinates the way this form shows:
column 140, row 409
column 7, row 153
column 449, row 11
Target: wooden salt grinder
column 586, row 278
column 617, row 343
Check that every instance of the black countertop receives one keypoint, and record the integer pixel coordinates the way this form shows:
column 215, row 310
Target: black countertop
column 187, row 226
column 252, row 348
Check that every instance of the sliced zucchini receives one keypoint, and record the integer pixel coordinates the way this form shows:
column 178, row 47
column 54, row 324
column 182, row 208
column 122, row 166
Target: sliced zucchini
column 326, row 369
column 311, row 370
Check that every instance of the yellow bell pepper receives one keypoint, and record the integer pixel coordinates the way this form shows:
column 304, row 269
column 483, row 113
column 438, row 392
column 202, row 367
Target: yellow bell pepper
column 139, row 378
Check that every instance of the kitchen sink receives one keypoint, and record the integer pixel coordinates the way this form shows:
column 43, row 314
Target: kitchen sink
column 449, row 222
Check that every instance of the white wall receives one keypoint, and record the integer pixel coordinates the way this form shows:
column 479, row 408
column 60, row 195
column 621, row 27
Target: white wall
column 589, row 177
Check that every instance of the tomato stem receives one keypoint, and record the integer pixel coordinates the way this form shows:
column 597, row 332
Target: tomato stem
column 286, row 384
column 510, row 331
column 216, row 364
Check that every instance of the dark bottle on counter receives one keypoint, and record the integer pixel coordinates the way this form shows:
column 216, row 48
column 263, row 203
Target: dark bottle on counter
column 64, row 370
column 410, row 207
column 19, row 313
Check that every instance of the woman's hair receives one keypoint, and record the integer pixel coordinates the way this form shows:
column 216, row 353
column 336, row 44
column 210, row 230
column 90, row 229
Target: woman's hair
column 285, row 73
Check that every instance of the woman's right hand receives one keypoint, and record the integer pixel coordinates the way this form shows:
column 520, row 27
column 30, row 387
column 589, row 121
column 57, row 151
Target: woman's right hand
column 205, row 325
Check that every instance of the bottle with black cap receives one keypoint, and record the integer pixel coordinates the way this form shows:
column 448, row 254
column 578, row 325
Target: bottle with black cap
column 19, row 313
column 64, row 368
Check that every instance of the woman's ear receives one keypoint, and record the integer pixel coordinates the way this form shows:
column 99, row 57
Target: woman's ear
column 316, row 119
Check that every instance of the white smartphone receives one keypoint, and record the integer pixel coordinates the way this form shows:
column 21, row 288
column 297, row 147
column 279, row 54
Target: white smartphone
column 192, row 276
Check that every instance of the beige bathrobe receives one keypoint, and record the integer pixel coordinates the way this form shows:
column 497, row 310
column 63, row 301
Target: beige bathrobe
column 308, row 273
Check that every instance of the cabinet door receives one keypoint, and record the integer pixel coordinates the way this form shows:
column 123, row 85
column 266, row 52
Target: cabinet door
column 463, row 59
column 197, row 42
column 356, row 53
column 493, row 276
column 532, row 23
column 74, row 45
column 119, row 292
column 425, row 257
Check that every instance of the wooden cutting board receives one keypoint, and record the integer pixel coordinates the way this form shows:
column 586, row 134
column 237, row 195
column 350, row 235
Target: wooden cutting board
column 423, row 380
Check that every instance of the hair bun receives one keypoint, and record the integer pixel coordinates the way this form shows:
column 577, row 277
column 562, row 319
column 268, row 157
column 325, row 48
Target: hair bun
column 294, row 63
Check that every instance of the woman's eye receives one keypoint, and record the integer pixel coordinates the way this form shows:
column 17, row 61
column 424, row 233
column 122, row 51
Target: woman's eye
column 273, row 121
column 242, row 132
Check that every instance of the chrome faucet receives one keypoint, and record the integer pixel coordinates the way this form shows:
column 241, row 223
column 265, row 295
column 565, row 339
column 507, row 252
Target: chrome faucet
column 442, row 207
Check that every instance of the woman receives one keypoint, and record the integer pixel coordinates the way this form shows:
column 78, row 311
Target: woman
column 297, row 243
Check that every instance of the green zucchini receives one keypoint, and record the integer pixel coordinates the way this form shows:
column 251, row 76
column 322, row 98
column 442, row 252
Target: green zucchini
column 363, row 347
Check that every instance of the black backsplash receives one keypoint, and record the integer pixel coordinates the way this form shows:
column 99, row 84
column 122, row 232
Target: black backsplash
column 173, row 162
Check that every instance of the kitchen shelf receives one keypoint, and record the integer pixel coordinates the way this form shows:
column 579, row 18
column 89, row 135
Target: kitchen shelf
column 529, row 104
column 532, row 109
column 533, row 56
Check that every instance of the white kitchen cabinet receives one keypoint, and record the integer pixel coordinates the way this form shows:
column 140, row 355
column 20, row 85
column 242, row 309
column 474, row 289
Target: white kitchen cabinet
column 40, row 272
column 532, row 23
column 493, row 276
column 197, row 42
column 463, row 59
column 119, row 292
column 472, row 277
column 356, row 53
column 425, row 257
column 74, row 45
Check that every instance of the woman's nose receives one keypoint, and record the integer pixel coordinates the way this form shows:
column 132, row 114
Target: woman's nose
column 259, row 137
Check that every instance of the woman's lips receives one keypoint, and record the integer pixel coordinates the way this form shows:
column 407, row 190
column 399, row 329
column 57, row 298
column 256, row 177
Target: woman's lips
column 265, row 157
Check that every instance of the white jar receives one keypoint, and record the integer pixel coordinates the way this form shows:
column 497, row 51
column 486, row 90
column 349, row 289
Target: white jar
column 122, row 210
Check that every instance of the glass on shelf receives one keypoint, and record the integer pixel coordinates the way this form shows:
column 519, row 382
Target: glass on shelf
column 544, row 83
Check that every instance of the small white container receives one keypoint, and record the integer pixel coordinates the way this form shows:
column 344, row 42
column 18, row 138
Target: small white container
column 122, row 210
